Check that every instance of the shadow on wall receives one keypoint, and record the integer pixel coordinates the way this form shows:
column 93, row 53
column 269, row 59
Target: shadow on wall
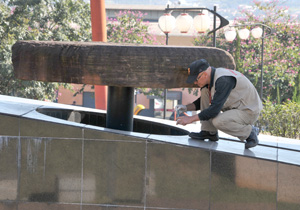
column 99, row 119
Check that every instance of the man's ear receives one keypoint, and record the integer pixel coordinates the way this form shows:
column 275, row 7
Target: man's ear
column 206, row 77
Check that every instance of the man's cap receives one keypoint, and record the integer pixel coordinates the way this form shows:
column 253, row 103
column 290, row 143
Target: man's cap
column 195, row 68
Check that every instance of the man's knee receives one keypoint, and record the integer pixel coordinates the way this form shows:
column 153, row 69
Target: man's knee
column 219, row 122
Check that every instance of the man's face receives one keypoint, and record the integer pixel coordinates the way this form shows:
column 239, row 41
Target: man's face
column 201, row 79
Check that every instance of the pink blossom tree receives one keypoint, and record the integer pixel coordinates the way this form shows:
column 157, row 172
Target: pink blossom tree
column 129, row 27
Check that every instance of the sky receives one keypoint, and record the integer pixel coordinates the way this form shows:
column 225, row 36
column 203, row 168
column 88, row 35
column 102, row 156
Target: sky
column 228, row 8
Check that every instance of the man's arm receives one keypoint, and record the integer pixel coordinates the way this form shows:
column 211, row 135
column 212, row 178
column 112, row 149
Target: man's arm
column 223, row 87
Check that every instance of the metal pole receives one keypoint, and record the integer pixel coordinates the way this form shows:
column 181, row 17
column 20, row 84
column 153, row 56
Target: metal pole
column 120, row 102
column 99, row 33
column 165, row 90
column 165, row 102
column 215, row 25
column 262, row 63
column 167, row 38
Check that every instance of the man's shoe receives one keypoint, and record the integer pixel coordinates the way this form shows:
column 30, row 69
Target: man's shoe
column 252, row 140
column 204, row 135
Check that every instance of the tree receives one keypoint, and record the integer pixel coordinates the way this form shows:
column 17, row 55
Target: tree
column 128, row 27
column 56, row 20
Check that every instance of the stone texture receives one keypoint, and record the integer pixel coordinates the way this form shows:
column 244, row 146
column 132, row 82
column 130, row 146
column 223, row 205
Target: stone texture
column 111, row 64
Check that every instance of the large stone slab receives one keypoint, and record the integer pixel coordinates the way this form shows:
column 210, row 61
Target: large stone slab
column 125, row 65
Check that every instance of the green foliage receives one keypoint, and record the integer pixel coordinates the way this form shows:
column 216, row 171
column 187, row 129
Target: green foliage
column 55, row 20
column 281, row 119
column 296, row 94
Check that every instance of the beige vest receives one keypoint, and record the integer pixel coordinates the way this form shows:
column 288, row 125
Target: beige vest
column 244, row 96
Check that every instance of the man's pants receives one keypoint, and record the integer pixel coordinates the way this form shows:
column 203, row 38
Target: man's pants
column 234, row 122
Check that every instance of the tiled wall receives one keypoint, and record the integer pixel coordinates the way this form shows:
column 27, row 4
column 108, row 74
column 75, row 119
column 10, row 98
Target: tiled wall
column 49, row 166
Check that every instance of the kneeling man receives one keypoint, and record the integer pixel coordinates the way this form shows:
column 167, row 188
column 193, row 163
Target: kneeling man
column 229, row 102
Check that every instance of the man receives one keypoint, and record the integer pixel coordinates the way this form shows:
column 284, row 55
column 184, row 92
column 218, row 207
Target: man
column 223, row 90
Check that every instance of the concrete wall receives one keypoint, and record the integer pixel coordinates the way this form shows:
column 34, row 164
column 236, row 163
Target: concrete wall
column 48, row 163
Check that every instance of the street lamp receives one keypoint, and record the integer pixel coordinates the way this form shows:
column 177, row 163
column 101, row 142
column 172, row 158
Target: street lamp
column 184, row 22
column 260, row 31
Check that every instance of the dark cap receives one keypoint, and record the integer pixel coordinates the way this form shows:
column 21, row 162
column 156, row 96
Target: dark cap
column 195, row 68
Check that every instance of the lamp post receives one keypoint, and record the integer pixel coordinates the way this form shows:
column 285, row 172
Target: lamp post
column 184, row 21
column 260, row 31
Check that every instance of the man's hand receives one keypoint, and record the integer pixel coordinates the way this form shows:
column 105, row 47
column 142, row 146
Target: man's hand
column 184, row 120
column 181, row 108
